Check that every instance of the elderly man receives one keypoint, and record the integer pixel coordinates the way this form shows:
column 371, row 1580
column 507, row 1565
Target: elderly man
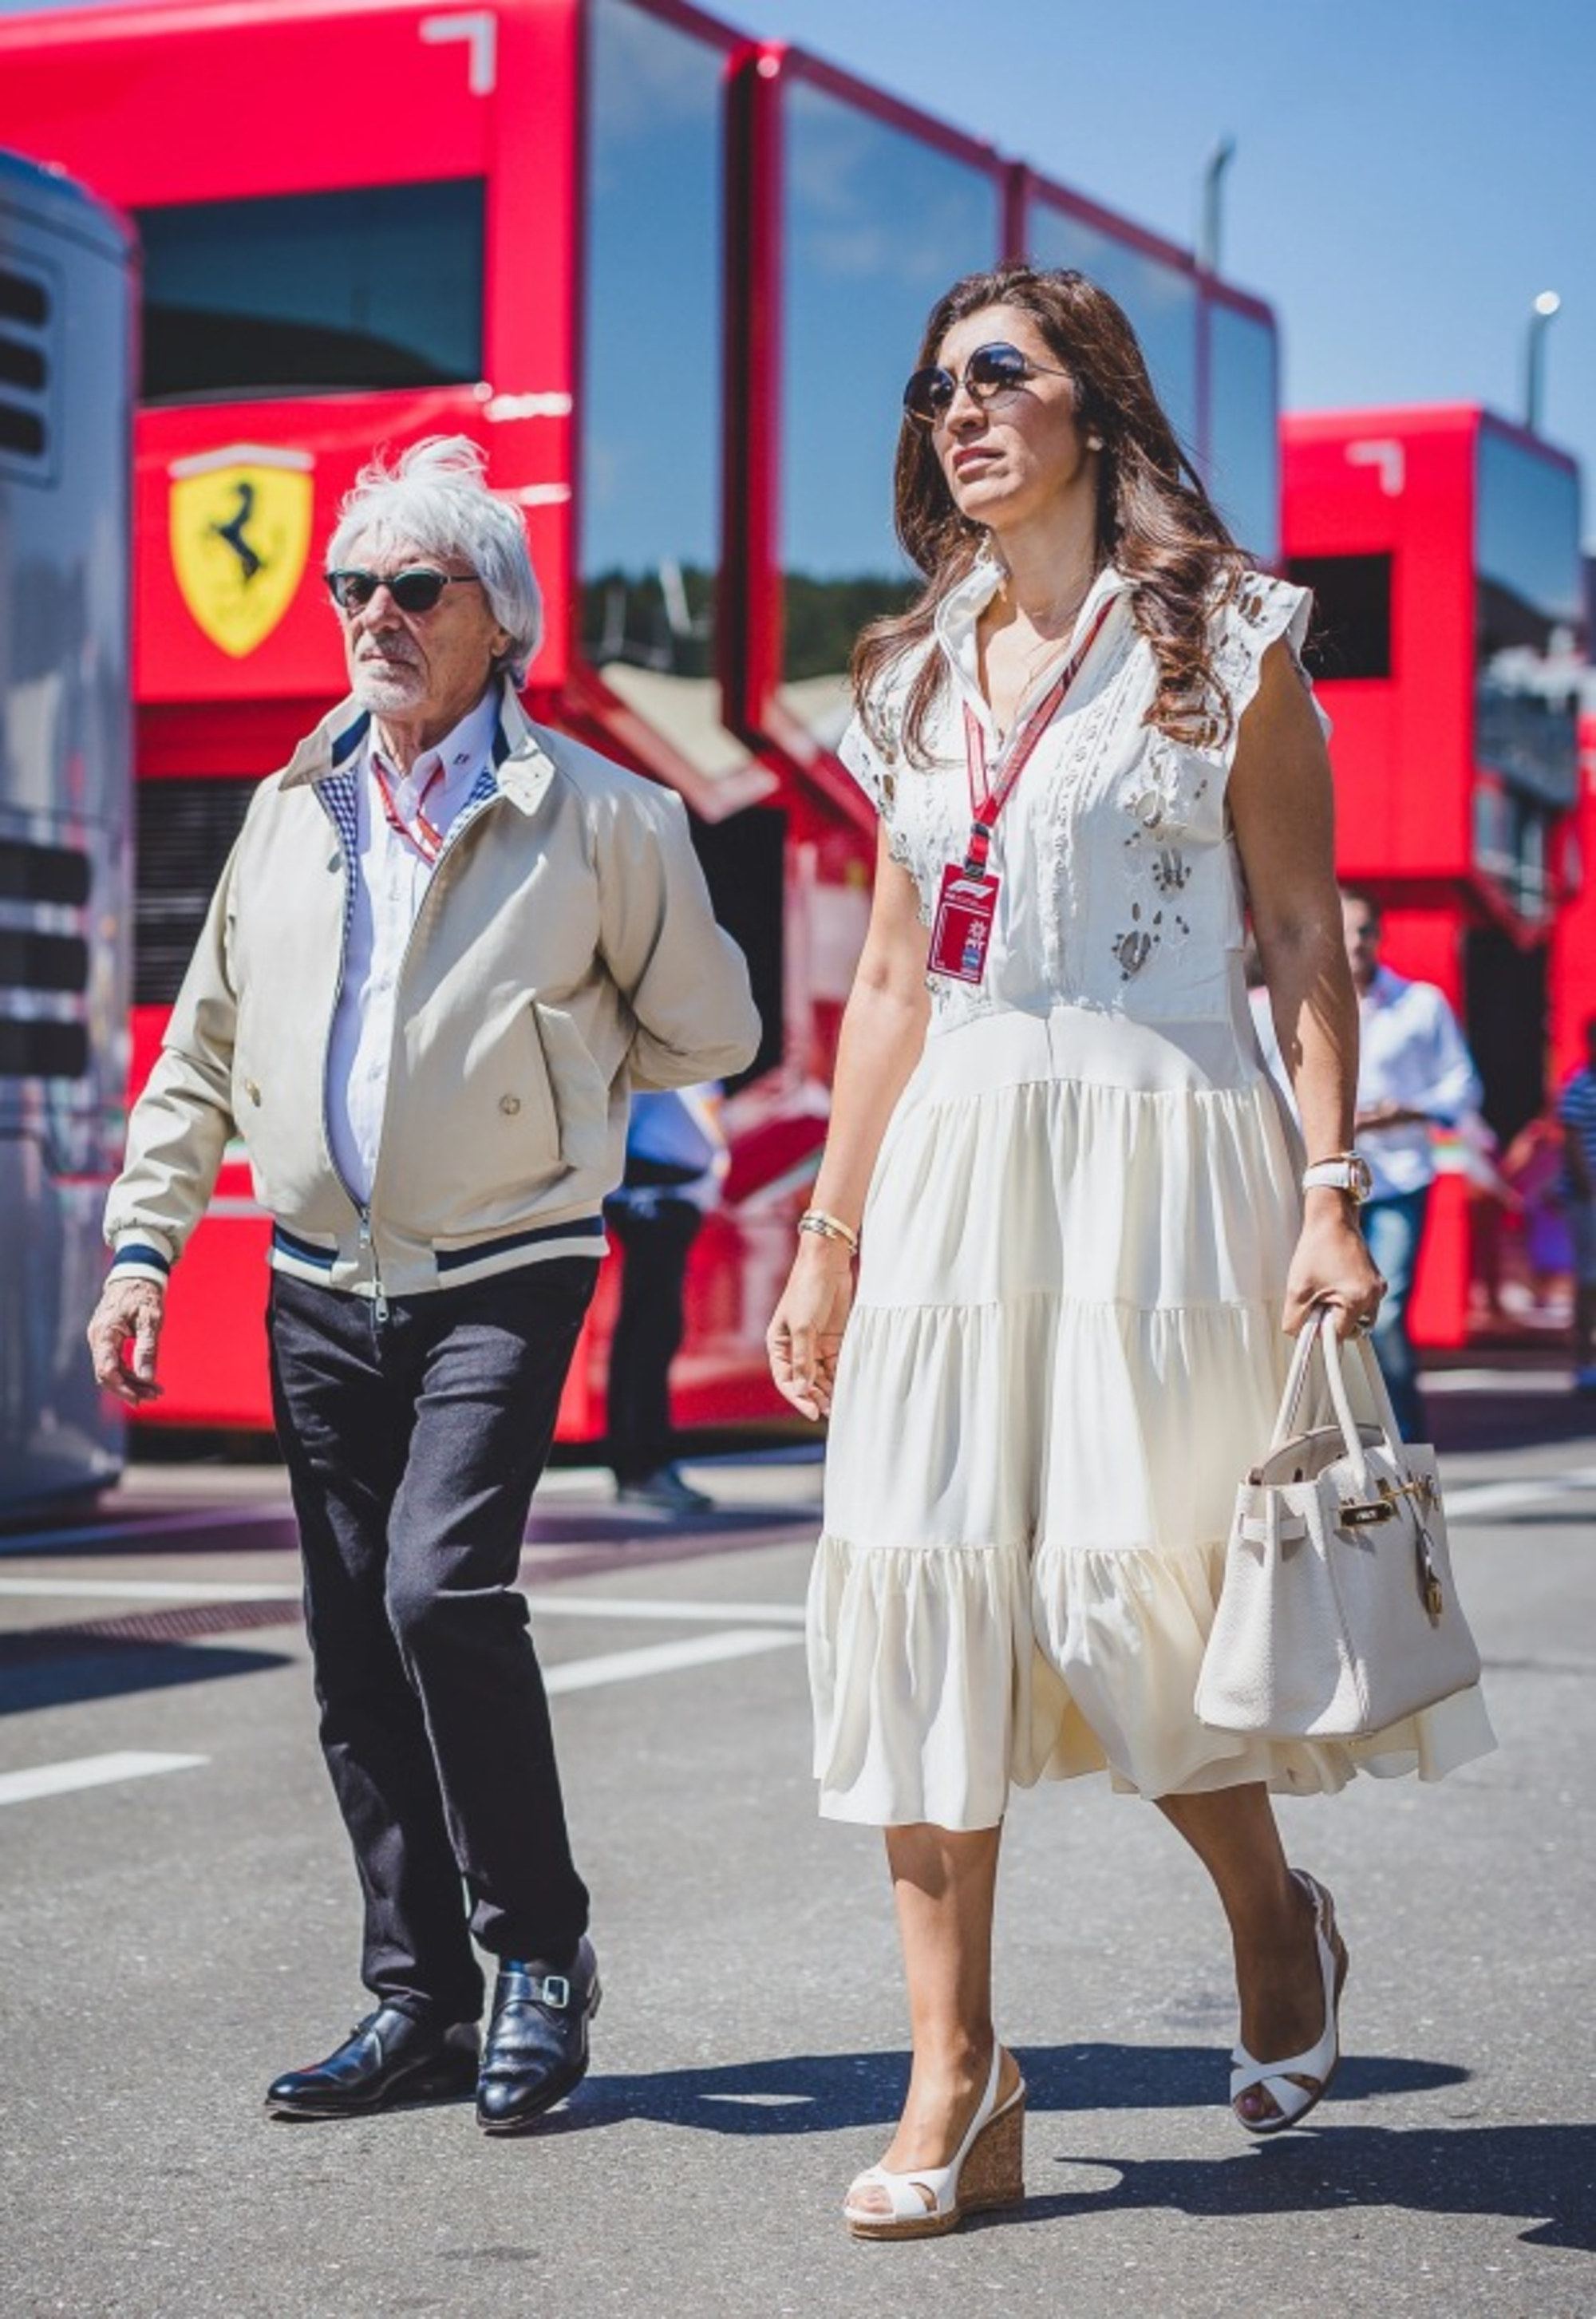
column 445, row 948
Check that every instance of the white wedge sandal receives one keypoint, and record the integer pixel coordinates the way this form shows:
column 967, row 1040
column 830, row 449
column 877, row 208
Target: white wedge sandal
column 1279, row 2079
column 987, row 2170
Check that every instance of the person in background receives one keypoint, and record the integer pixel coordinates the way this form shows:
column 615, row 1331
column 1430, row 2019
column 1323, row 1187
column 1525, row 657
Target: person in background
column 676, row 1161
column 446, row 947
column 1576, row 1110
column 1413, row 1074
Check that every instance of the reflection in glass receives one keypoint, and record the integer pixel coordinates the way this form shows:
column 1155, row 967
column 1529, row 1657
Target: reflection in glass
column 377, row 286
column 1527, row 609
column 1243, row 445
column 1159, row 298
column 877, row 225
column 651, row 395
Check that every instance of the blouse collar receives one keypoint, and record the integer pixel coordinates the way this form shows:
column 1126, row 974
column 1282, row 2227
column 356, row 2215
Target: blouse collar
column 962, row 608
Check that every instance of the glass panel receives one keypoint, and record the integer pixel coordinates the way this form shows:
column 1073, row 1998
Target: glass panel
column 378, row 287
column 1351, row 632
column 1509, row 846
column 877, row 225
column 1243, row 439
column 651, row 401
column 1161, row 300
column 1527, row 608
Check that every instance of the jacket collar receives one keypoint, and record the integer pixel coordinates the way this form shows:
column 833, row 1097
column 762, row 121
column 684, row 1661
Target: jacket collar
column 522, row 768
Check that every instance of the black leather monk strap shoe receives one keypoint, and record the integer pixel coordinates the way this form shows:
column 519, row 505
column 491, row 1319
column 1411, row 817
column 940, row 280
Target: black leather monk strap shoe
column 536, row 2047
column 389, row 2058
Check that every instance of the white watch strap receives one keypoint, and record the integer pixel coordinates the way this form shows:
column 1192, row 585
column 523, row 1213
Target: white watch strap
column 1351, row 1175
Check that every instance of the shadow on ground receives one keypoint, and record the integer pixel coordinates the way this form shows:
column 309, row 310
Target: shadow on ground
column 50, row 1667
column 1541, row 2174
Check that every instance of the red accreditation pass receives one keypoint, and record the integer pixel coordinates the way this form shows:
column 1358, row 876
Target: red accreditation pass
column 963, row 928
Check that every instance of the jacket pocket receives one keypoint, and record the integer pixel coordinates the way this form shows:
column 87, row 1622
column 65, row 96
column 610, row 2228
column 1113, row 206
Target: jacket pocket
column 580, row 1091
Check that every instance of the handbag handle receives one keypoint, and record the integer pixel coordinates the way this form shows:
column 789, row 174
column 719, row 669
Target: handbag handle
column 1317, row 1333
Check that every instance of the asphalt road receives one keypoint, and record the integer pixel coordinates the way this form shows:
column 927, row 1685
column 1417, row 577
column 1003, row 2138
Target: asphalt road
column 174, row 1934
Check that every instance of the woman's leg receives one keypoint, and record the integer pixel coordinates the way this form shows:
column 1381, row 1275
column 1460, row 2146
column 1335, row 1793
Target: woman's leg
column 944, row 1883
column 1233, row 1832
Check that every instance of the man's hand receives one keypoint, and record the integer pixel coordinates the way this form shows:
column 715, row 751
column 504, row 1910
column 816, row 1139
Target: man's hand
column 129, row 1310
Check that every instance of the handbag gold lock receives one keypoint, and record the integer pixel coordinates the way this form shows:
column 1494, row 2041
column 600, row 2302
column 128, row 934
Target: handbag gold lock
column 1356, row 1513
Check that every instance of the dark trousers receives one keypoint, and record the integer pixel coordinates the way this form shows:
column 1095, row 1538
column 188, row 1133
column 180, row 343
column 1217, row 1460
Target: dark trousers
column 413, row 1445
column 656, row 1231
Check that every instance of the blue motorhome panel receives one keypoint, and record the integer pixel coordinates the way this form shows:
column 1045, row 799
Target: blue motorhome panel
column 66, row 338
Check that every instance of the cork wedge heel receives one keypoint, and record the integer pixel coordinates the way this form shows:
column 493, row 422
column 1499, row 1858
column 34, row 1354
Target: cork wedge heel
column 986, row 2172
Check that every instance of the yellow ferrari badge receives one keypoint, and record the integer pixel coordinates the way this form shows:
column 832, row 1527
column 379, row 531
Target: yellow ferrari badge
column 240, row 533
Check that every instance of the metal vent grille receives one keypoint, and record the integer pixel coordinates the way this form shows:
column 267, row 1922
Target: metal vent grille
column 27, row 312
column 186, row 830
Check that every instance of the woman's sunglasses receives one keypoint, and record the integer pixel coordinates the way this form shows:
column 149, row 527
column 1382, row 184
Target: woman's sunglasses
column 997, row 369
column 417, row 589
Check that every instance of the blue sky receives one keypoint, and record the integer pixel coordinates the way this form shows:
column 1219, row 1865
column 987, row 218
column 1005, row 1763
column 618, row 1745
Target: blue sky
column 1409, row 173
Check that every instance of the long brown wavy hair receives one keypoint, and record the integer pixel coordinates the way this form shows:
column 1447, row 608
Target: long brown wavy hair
column 1155, row 521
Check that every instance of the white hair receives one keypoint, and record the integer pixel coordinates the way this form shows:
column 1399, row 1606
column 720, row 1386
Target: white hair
column 435, row 494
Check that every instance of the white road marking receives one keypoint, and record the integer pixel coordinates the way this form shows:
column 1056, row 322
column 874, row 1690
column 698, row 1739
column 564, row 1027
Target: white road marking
column 1474, row 1500
column 546, row 1606
column 664, row 1658
column 149, row 1590
column 614, row 1606
column 89, row 1772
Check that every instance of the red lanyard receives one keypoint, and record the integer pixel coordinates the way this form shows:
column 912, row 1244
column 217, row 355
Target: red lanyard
column 987, row 800
column 426, row 839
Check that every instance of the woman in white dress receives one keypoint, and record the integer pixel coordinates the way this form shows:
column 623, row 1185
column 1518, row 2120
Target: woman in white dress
column 1074, row 1196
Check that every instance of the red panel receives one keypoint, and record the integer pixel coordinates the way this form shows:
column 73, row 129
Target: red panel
column 200, row 104
column 1574, row 937
column 1398, row 483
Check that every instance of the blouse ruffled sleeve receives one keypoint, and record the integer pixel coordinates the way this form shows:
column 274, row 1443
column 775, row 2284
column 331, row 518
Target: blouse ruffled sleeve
column 1262, row 611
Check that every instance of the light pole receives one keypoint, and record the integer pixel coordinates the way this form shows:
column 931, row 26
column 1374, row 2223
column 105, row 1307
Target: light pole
column 1219, row 161
column 1540, row 318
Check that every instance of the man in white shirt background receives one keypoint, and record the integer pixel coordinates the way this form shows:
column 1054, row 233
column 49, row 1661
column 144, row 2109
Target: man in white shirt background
column 1415, row 1074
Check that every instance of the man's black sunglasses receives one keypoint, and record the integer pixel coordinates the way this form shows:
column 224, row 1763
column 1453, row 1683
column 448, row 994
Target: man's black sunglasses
column 997, row 369
column 417, row 589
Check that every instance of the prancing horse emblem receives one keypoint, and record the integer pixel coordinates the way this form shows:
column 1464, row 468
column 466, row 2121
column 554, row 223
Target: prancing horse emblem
column 232, row 531
column 240, row 533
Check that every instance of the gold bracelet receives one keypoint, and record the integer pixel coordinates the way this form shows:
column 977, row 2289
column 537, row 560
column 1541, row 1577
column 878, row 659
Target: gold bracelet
column 829, row 1227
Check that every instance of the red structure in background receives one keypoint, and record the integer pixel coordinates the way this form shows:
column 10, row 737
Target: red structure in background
column 1443, row 548
column 672, row 280
column 1574, row 938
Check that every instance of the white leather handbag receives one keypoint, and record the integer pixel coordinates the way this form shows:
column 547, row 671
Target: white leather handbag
column 1338, row 1616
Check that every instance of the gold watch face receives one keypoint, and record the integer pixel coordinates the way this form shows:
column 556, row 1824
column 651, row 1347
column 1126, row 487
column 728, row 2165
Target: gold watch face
column 1360, row 1181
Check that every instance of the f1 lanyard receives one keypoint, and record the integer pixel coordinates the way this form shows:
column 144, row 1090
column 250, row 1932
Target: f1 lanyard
column 988, row 798
column 423, row 834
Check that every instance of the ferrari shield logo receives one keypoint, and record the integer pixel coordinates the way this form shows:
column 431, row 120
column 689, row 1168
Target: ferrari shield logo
column 240, row 533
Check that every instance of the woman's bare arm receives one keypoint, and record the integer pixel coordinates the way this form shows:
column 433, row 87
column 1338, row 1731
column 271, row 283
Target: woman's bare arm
column 1282, row 805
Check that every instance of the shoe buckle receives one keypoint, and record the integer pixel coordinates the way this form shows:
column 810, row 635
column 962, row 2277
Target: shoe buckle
column 556, row 1991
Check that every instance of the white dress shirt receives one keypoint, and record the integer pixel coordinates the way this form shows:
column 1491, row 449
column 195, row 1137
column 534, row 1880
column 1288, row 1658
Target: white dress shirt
column 391, row 881
column 1410, row 1052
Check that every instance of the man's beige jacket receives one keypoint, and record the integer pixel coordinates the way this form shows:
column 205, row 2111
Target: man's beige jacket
column 565, row 953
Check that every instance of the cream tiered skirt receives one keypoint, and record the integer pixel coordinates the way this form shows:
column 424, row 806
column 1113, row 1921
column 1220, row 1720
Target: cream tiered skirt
column 1065, row 1351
